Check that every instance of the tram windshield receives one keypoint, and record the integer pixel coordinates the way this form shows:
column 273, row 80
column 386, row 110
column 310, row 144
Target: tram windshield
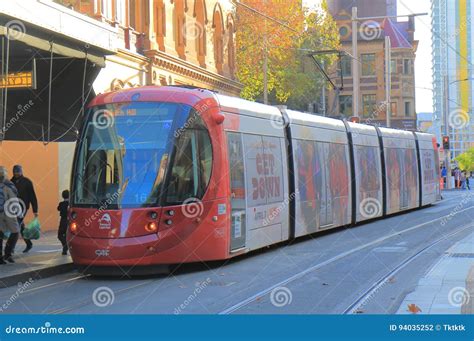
column 125, row 150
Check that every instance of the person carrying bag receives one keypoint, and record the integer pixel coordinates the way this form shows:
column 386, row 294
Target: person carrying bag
column 9, row 206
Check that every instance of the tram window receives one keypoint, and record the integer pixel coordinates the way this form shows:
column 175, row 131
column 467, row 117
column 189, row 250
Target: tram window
column 191, row 169
column 205, row 158
column 123, row 162
column 183, row 182
column 236, row 166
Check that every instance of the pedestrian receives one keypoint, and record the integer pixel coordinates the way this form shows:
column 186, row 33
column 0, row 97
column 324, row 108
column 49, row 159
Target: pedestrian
column 27, row 196
column 462, row 180
column 467, row 183
column 444, row 174
column 457, row 177
column 9, row 205
column 62, row 230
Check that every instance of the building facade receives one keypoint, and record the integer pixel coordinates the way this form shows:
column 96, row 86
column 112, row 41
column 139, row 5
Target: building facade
column 167, row 42
column 371, row 62
column 157, row 42
column 453, row 91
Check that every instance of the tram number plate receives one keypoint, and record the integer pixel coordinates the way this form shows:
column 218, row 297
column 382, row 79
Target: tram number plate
column 102, row 253
column 221, row 209
column 237, row 225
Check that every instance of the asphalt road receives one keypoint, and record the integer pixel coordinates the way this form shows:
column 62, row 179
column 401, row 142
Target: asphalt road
column 369, row 268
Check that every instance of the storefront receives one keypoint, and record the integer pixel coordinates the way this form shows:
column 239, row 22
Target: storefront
column 50, row 58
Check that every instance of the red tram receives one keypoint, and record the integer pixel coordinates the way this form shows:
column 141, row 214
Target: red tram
column 166, row 175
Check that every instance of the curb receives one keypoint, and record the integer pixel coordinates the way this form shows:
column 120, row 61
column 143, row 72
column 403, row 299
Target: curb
column 38, row 274
column 468, row 306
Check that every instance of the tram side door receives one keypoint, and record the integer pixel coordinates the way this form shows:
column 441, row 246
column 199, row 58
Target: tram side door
column 237, row 190
column 325, row 211
column 403, row 179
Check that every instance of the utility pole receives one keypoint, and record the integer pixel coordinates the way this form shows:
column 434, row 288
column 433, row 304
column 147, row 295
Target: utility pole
column 447, row 153
column 388, row 79
column 265, row 61
column 355, row 64
column 355, row 57
column 323, row 94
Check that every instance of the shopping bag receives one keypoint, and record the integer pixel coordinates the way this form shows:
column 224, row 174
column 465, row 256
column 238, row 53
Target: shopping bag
column 32, row 230
column 6, row 235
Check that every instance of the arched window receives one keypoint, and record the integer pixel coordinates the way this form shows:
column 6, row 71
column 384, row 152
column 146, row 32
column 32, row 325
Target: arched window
column 160, row 23
column 200, row 14
column 231, row 46
column 137, row 15
column 180, row 27
column 218, row 38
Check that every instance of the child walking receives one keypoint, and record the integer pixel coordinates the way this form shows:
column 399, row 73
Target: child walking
column 62, row 208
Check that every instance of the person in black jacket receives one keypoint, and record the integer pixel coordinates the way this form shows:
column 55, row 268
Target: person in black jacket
column 62, row 230
column 8, row 221
column 26, row 193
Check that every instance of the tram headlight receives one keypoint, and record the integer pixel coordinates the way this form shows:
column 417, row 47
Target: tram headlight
column 73, row 227
column 151, row 227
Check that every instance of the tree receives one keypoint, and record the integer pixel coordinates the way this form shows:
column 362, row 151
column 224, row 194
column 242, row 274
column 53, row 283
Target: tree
column 466, row 160
column 293, row 79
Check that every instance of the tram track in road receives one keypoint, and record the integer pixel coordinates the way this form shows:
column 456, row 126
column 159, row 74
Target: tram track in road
column 88, row 301
column 362, row 300
column 65, row 301
column 237, row 306
column 49, row 285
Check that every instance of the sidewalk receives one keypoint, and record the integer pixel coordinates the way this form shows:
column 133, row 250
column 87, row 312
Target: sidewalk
column 448, row 288
column 44, row 260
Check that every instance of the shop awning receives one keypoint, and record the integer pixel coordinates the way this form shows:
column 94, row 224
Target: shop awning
column 50, row 57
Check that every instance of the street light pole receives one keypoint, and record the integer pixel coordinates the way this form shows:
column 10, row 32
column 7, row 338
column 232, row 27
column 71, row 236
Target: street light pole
column 265, row 61
column 355, row 64
column 388, row 80
column 447, row 153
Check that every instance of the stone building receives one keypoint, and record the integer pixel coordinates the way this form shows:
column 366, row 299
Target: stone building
column 117, row 44
column 371, row 62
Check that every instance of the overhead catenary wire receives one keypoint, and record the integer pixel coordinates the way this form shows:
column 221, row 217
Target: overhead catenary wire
column 49, row 93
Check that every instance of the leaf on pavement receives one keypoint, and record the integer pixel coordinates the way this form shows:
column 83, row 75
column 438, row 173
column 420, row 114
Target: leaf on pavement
column 414, row 309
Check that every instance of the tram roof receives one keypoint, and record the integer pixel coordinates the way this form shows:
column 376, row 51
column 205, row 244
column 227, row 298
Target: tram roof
column 301, row 118
column 243, row 107
column 153, row 93
column 397, row 133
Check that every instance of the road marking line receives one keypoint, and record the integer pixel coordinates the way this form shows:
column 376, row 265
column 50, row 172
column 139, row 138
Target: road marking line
column 361, row 300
